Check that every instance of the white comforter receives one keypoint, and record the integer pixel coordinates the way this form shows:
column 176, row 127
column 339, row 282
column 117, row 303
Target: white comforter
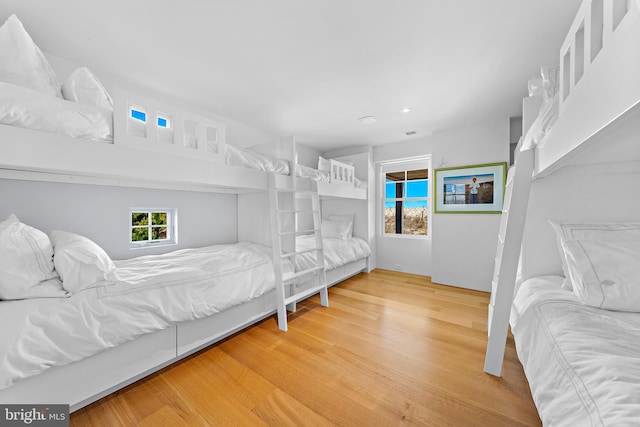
column 28, row 108
column 252, row 160
column 153, row 293
column 582, row 363
column 337, row 252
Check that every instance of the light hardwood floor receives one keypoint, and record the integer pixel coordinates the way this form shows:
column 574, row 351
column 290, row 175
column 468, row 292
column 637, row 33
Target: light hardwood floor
column 391, row 349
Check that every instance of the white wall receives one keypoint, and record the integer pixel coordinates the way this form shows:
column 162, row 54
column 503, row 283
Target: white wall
column 464, row 245
column 579, row 194
column 307, row 156
column 411, row 255
column 102, row 213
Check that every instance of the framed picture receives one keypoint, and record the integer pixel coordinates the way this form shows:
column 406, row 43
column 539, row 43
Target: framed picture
column 470, row 189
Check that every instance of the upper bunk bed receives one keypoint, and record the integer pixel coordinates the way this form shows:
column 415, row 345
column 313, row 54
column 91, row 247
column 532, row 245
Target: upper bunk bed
column 81, row 134
column 591, row 114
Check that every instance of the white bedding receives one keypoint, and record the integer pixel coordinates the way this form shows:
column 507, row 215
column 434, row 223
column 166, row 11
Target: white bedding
column 28, row 108
column 543, row 124
column 337, row 252
column 252, row 160
column 582, row 363
column 307, row 172
column 152, row 293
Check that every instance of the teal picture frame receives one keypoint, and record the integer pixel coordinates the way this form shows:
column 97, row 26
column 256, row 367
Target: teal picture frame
column 473, row 189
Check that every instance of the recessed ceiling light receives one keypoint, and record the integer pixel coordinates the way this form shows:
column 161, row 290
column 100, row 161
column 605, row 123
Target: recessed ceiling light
column 368, row 120
column 411, row 132
column 406, row 110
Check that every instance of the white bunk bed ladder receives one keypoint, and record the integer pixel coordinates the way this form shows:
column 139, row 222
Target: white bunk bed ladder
column 295, row 212
column 507, row 255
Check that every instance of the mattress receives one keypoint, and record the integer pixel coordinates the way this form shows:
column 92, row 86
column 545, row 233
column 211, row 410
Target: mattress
column 582, row 363
column 337, row 252
column 28, row 108
column 152, row 293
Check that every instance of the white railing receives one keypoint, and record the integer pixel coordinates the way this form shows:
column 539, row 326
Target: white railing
column 591, row 31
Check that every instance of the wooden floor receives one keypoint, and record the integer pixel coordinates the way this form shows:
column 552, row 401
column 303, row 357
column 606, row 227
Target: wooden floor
column 391, row 349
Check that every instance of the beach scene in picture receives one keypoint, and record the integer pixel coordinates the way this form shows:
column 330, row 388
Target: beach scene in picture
column 468, row 189
column 405, row 204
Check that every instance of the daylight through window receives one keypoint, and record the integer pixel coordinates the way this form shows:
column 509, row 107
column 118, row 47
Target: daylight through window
column 406, row 202
column 152, row 226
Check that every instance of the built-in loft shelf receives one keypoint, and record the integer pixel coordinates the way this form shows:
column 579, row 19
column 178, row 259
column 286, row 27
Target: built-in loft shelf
column 35, row 155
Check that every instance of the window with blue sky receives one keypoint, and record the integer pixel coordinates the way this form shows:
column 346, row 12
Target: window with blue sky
column 406, row 202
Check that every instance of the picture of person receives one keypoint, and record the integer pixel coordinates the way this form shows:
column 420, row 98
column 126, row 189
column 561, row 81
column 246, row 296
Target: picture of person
column 473, row 191
column 468, row 189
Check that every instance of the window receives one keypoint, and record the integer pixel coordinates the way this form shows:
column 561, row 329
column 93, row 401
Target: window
column 153, row 227
column 406, row 198
column 164, row 121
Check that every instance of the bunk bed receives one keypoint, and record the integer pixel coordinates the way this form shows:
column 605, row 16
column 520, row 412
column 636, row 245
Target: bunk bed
column 181, row 151
column 565, row 272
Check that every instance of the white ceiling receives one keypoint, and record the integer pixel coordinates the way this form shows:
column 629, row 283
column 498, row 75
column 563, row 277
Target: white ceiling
column 312, row 68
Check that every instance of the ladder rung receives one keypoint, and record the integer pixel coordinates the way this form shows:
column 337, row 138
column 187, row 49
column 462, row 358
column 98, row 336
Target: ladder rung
column 304, row 294
column 306, row 251
column 292, row 276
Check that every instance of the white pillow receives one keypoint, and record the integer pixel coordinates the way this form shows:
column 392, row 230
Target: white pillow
column 334, row 230
column 550, row 82
column 344, row 218
column 84, row 87
column 604, row 232
column 324, row 164
column 605, row 274
column 26, row 262
column 81, row 263
column 22, row 63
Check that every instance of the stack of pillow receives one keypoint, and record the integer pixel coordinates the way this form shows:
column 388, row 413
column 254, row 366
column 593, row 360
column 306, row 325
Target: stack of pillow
column 34, row 265
column 30, row 95
column 337, row 227
column 601, row 263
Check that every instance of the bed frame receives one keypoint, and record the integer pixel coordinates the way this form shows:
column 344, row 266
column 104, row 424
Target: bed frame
column 599, row 87
column 81, row 383
column 577, row 171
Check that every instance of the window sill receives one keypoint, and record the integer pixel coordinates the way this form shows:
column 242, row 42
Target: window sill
column 406, row 236
column 135, row 246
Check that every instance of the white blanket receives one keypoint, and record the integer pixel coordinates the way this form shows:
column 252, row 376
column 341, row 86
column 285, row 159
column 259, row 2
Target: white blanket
column 337, row 252
column 28, row 108
column 252, row 160
column 582, row 363
column 153, row 293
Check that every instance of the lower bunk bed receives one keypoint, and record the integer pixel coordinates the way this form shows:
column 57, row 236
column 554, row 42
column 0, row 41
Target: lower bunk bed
column 83, row 326
column 343, row 257
column 581, row 361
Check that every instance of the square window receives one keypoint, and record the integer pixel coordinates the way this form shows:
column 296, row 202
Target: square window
column 152, row 227
column 138, row 115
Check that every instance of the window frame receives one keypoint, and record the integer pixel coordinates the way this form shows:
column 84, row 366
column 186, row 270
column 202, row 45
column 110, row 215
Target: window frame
column 172, row 228
column 404, row 166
